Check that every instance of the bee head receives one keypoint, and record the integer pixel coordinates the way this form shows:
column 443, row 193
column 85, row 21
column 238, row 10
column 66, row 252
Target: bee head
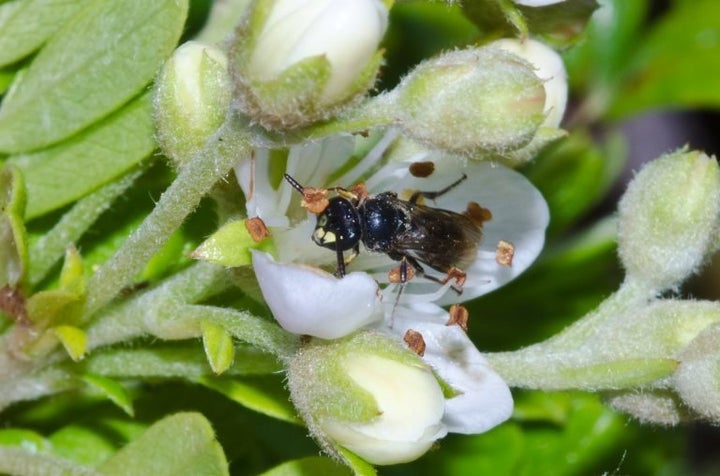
column 338, row 226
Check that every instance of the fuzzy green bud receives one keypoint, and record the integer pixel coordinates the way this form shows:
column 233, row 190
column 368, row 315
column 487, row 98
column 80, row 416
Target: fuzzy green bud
column 481, row 100
column 296, row 62
column 191, row 100
column 368, row 394
column 697, row 380
column 659, row 407
column 669, row 218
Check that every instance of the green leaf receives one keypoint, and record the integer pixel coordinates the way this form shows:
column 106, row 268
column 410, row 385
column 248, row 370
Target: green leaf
column 14, row 460
column 83, row 444
column 589, row 434
column 54, row 307
column 70, row 170
column 26, row 24
column 497, row 452
column 52, row 243
column 573, row 175
column 218, row 345
column 597, row 63
column 359, row 466
column 72, row 277
column 677, row 64
column 13, row 247
column 310, row 466
column 262, row 395
column 98, row 61
column 181, row 444
column 27, row 439
column 112, row 390
column 73, row 339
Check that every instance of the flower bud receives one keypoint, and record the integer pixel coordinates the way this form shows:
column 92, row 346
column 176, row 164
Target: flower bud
column 549, row 68
column 296, row 62
column 697, row 380
column 368, row 394
column 191, row 99
column 669, row 218
column 481, row 100
column 660, row 407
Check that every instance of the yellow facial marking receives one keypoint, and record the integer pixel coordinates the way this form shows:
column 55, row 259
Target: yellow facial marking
column 328, row 237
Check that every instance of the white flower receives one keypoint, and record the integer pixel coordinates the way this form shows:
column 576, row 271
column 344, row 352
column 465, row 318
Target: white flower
column 519, row 216
column 549, row 68
column 346, row 32
column 308, row 301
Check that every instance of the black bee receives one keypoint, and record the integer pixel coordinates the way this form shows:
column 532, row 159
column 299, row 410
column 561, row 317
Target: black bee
column 405, row 230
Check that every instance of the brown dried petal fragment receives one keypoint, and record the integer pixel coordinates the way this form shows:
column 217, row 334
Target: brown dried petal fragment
column 477, row 214
column 415, row 342
column 257, row 229
column 458, row 317
column 422, row 169
column 314, row 199
column 504, row 253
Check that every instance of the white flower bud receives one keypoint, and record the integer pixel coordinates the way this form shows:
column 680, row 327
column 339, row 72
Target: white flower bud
column 549, row 68
column 369, row 395
column 669, row 218
column 298, row 61
column 192, row 96
column 480, row 100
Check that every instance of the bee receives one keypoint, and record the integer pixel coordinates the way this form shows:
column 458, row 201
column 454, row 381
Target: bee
column 407, row 231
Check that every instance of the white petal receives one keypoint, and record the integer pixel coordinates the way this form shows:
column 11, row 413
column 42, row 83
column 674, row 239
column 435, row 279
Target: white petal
column 484, row 400
column 308, row 301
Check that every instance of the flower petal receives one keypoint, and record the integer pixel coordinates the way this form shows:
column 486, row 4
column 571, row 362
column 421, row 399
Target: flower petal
column 484, row 400
column 308, row 301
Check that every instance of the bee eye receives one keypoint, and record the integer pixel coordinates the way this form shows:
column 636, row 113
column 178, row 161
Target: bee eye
column 322, row 221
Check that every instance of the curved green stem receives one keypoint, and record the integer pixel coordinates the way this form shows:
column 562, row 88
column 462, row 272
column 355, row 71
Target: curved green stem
column 194, row 181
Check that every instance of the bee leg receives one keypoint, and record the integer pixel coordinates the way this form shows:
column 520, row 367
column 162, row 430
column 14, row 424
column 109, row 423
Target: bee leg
column 432, row 195
column 340, row 271
column 419, row 269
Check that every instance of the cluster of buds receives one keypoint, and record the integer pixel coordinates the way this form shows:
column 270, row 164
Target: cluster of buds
column 292, row 65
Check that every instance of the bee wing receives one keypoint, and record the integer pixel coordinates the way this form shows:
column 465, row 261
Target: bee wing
column 439, row 238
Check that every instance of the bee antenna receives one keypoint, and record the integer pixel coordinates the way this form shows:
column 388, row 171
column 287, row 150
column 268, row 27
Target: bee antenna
column 294, row 183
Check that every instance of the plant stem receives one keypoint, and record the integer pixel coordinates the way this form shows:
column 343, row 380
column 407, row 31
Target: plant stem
column 193, row 182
